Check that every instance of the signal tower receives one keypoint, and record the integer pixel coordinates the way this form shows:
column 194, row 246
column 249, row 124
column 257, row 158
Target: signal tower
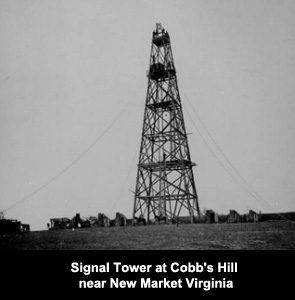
column 165, row 187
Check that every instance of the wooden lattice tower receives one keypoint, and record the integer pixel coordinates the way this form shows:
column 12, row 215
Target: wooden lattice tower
column 165, row 187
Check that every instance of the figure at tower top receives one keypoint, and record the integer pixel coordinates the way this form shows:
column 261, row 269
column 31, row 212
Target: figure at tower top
column 160, row 36
column 165, row 187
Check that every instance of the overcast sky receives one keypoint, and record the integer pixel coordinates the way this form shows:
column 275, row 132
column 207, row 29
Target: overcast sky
column 68, row 69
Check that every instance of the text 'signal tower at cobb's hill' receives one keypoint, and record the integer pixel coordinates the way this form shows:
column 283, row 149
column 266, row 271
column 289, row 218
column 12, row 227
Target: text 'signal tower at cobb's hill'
column 165, row 187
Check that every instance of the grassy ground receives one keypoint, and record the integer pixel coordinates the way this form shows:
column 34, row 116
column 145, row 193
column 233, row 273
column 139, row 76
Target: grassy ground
column 260, row 236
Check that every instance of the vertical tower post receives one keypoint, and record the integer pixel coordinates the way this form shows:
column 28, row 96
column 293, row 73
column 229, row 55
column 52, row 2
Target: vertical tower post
column 165, row 187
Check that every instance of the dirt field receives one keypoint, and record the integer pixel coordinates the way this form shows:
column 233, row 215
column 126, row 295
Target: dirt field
column 247, row 236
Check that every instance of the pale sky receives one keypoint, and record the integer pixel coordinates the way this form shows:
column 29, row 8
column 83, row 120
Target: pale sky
column 69, row 67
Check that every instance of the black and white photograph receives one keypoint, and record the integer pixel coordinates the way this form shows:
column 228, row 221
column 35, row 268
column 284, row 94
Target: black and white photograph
column 147, row 125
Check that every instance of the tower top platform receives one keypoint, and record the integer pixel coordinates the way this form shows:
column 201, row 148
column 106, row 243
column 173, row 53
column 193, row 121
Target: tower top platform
column 160, row 36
